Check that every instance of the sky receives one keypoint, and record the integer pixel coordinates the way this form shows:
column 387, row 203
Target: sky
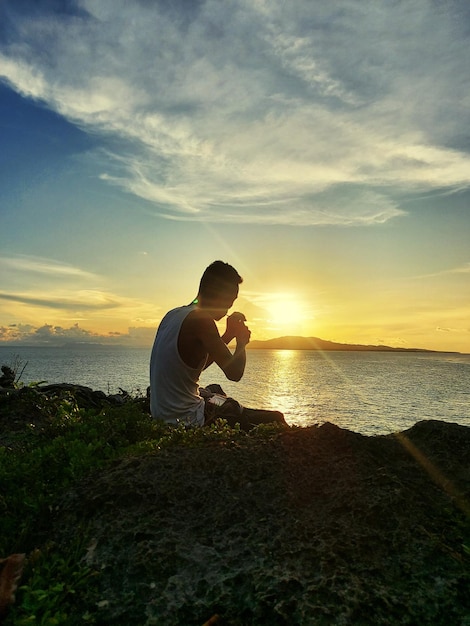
column 321, row 148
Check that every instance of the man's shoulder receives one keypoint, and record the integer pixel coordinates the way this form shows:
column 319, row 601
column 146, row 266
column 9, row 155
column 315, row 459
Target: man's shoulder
column 200, row 320
column 179, row 311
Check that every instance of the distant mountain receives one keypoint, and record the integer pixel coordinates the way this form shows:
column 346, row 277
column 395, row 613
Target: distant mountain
column 314, row 343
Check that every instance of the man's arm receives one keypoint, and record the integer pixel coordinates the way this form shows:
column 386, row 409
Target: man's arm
column 230, row 332
column 233, row 365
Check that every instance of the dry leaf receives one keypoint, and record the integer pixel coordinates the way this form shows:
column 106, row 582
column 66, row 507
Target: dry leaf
column 11, row 569
column 215, row 619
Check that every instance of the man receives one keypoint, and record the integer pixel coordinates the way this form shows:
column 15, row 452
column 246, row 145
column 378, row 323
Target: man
column 187, row 342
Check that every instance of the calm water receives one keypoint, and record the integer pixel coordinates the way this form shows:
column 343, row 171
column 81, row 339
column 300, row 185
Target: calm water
column 368, row 392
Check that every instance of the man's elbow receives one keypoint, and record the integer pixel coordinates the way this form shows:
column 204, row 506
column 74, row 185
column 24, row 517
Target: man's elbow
column 233, row 376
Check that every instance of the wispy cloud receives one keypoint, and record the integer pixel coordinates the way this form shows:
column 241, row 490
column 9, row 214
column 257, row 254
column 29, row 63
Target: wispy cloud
column 253, row 112
column 461, row 269
column 81, row 305
column 82, row 300
column 44, row 266
column 36, row 284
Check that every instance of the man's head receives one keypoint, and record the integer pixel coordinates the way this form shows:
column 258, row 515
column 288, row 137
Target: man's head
column 218, row 288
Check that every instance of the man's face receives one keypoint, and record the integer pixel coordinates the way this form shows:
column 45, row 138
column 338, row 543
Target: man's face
column 220, row 304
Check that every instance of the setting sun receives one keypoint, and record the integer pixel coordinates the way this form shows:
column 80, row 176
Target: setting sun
column 286, row 311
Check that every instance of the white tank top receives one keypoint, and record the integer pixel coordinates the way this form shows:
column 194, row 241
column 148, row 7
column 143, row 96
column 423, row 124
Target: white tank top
column 174, row 386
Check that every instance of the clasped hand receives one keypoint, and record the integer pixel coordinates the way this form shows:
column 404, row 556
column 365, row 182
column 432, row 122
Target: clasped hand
column 236, row 328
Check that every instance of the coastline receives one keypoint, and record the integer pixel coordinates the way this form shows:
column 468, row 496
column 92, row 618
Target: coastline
column 315, row 343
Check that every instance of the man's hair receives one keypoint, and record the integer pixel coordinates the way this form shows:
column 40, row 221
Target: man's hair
column 217, row 278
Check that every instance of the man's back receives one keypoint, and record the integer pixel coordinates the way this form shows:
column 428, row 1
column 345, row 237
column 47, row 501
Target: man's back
column 174, row 395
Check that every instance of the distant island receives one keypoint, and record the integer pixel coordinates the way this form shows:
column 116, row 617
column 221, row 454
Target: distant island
column 314, row 343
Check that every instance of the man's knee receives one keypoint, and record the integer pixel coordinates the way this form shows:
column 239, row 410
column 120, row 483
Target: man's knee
column 260, row 416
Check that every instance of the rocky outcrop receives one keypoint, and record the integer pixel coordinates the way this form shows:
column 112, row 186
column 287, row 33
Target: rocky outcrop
column 34, row 405
column 315, row 525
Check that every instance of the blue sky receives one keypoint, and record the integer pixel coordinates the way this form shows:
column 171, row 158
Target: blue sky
column 321, row 148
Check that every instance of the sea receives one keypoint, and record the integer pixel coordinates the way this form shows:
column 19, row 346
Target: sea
column 367, row 392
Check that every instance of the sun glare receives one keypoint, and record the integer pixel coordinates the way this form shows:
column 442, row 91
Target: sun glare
column 286, row 311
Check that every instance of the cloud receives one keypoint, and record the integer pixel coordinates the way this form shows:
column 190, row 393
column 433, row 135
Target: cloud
column 14, row 332
column 463, row 269
column 82, row 300
column 254, row 112
column 64, row 288
column 48, row 334
column 459, row 270
column 44, row 266
column 453, row 330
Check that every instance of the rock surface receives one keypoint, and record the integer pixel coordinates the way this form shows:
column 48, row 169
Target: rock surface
column 306, row 526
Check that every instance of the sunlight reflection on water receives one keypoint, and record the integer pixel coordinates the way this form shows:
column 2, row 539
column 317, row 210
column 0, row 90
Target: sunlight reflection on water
column 368, row 392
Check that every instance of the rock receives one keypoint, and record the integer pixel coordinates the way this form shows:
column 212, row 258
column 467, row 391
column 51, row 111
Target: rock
column 37, row 405
column 7, row 379
column 311, row 526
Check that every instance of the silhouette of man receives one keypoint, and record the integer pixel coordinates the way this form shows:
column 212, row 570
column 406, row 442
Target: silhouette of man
column 187, row 342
